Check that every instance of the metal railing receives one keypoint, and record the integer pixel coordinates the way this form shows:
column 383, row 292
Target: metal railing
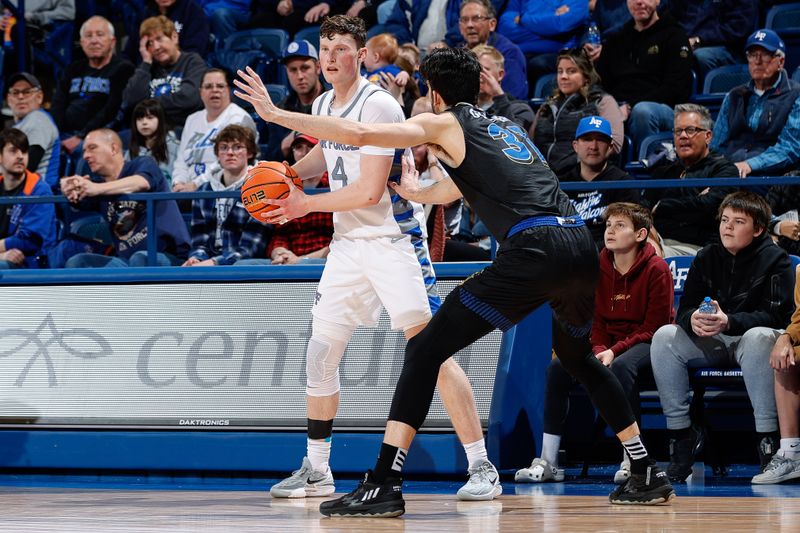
column 150, row 198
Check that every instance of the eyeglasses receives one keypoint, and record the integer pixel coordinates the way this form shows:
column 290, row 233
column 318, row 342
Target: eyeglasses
column 209, row 86
column 691, row 131
column 476, row 19
column 22, row 92
column 232, row 148
column 759, row 56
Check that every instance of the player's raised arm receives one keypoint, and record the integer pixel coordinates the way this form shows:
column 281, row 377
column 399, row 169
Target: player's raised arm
column 425, row 128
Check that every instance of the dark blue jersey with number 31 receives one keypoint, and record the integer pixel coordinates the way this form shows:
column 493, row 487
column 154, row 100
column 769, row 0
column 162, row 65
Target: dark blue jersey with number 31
column 504, row 176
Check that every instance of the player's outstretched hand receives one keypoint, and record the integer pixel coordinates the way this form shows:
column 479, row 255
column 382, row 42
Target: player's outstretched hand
column 254, row 91
column 293, row 206
column 409, row 180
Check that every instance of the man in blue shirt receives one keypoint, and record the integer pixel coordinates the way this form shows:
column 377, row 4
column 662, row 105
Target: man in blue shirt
column 758, row 126
column 112, row 175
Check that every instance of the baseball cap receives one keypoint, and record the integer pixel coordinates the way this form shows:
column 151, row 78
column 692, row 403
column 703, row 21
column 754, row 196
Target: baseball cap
column 593, row 124
column 766, row 39
column 30, row 78
column 303, row 137
column 301, row 48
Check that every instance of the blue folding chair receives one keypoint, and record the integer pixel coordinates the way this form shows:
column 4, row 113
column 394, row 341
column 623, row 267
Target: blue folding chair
column 310, row 34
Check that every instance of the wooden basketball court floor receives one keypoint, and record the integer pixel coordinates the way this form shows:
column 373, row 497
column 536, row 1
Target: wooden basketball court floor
column 580, row 506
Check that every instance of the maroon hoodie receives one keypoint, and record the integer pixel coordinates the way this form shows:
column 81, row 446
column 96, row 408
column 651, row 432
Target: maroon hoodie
column 630, row 307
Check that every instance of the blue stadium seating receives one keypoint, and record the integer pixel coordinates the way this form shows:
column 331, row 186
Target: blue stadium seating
column 310, row 34
column 785, row 20
column 542, row 90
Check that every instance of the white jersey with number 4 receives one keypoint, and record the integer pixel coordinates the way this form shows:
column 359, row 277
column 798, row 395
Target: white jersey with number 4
column 369, row 104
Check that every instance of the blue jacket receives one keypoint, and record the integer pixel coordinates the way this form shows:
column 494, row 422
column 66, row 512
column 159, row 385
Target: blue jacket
column 540, row 30
column 762, row 130
column 398, row 22
column 32, row 230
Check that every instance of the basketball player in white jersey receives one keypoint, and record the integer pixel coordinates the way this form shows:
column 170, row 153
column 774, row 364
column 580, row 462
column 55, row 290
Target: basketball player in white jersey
column 378, row 257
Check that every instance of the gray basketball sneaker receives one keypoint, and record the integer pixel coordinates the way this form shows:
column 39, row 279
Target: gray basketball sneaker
column 778, row 470
column 483, row 484
column 305, row 482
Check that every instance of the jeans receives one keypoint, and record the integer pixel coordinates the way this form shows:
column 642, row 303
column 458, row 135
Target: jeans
column 8, row 265
column 711, row 57
column 225, row 21
column 673, row 353
column 649, row 118
column 138, row 259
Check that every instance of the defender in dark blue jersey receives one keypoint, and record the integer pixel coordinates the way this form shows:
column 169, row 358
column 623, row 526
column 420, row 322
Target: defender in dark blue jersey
column 546, row 254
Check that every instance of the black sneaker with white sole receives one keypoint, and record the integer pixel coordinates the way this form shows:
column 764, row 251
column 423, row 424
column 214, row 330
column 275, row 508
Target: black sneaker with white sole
column 651, row 488
column 369, row 499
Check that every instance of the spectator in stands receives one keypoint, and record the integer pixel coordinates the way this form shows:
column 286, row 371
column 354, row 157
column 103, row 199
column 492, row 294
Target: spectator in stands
column 223, row 232
column 633, row 298
column 749, row 280
column 593, row 147
column 784, row 226
column 685, row 216
column 785, row 355
column 294, row 15
column 577, row 95
column 491, row 96
column 381, row 55
column 150, row 136
column 303, row 71
column 424, row 23
column 227, row 16
column 112, row 175
column 717, row 30
column 166, row 73
column 477, row 22
column 27, row 231
column 188, row 19
column 303, row 240
column 89, row 94
column 405, row 86
column 647, row 67
column 25, row 98
column 758, row 126
column 543, row 27
column 196, row 152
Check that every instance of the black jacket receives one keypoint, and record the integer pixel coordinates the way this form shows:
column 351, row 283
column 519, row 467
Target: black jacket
column 783, row 198
column 654, row 65
column 515, row 110
column 684, row 214
column 754, row 287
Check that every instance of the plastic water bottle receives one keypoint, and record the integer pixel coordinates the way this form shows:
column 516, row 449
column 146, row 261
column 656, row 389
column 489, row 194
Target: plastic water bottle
column 707, row 307
column 593, row 34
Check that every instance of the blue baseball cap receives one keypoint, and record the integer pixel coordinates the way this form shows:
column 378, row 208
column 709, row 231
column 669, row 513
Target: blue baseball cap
column 301, row 48
column 766, row 39
column 593, row 125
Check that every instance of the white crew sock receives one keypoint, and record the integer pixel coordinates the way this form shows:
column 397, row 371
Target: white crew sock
column 550, row 444
column 790, row 448
column 319, row 453
column 476, row 451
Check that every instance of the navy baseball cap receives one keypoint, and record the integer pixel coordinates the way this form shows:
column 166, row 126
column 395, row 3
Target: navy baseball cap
column 593, row 125
column 766, row 39
column 25, row 76
column 301, row 48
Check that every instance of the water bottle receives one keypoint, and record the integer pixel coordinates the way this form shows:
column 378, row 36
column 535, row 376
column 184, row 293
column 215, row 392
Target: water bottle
column 707, row 307
column 593, row 34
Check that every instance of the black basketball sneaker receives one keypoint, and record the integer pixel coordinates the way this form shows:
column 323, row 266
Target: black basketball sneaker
column 651, row 488
column 369, row 499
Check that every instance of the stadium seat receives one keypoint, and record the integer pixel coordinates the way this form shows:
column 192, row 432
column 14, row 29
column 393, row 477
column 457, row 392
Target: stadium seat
column 277, row 92
column 722, row 79
column 310, row 34
column 57, row 49
column 542, row 90
column 785, row 20
column 261, row 49
column 796, row 75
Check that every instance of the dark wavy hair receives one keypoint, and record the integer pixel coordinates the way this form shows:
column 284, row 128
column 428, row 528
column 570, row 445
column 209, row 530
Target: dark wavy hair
column 15, row 138
column 454, row 73
column 750, row 204
column 150, row 108
column 344, row 25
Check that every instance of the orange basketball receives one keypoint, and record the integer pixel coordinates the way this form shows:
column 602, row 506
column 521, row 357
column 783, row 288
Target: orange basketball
column 265, row 180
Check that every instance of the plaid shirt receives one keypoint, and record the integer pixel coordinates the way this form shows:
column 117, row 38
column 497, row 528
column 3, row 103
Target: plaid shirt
column 243, row 237
column 305, row 234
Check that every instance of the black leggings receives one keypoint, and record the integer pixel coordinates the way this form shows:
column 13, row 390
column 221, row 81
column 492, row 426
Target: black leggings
column 545, row 264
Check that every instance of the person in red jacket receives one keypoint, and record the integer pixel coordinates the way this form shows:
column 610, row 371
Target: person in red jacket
column 633, row 298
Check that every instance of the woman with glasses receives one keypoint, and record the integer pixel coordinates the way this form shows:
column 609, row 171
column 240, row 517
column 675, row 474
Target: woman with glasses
column 577, row 94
